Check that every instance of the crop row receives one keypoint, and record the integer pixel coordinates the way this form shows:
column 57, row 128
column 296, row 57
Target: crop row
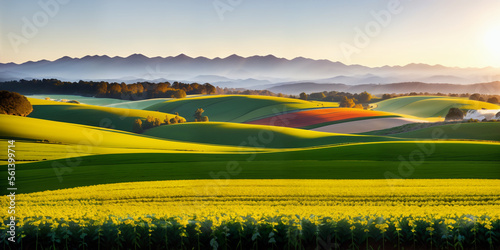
column 248, row 232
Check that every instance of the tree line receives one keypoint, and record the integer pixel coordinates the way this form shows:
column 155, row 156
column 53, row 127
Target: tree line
column 476, row 96
column 356, row 100
column 135, row 91
column 345, row 99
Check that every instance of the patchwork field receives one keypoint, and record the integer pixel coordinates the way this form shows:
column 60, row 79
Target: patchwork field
column 362, row 125
column 237, row 182
column 320, row 117
column 234, row 108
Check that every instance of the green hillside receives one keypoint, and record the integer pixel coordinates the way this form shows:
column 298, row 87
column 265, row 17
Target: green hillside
column 489, row 131
column 115, row 118
column 429, row 106
column 236, row 108
column 355, row 161
column 140, row 104
column 81, row 99
column 236, row 134
column 92, row 139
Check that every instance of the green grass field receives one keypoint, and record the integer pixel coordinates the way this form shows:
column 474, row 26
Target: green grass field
column 488, row 131
column 107, row 117
column 356, row 161
column 245, row 135
column 429, row 106
column 140, row 104
column 81, row 99
column 236, row 108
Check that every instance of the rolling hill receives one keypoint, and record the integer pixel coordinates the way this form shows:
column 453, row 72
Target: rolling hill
column 236, row 108
column 258, row 136
column 91, row 139
column 378, row 160
column 90, row 155
column 107, row 117
column 489, row 131
column 429, row 106
column 314, row 118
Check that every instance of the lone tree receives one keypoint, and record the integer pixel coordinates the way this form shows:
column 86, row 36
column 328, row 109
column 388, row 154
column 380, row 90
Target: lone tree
column 137, row 126
column 303, row 96
column 347, row 102
column 454, row 114
column 364, row 97
column 198, row 116
column 12, row 103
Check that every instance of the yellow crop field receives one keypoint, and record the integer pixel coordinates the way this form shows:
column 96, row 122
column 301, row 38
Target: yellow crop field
column 321, row 197
column 352, row 212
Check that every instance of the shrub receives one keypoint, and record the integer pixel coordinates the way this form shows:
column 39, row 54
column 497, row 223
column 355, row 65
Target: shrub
column 198, row 117
column 12, row 103
column 177, row 119
column 475, row 96
column 358, row 106
column 454, row 114
column 166, row 121
column 151, row 122
column 386, row 96
column 493, row 100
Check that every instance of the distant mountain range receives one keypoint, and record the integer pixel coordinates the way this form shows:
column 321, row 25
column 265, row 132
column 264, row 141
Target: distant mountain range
column 403, row 87
column 255, row 72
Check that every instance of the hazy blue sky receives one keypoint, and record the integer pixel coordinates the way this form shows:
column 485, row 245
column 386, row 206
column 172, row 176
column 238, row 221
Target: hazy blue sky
column 449, row 32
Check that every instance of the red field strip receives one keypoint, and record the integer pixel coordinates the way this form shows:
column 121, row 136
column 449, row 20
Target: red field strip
column 315, row 116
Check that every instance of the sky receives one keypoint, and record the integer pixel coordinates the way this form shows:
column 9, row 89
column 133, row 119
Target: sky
column 459, row 33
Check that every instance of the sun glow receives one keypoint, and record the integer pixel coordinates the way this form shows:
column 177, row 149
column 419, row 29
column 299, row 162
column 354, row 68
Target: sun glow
column 492, row 43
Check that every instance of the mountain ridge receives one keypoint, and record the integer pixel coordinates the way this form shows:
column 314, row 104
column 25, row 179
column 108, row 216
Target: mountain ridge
column 182, row 55
column 239, row 72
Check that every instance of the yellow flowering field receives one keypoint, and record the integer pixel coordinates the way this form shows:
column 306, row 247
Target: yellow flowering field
column 246, row 214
